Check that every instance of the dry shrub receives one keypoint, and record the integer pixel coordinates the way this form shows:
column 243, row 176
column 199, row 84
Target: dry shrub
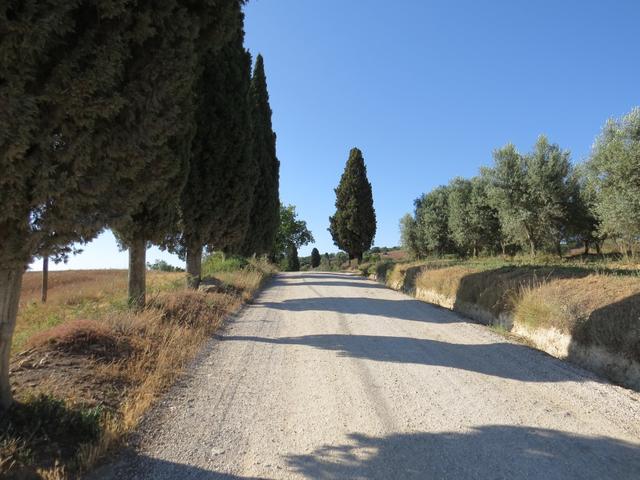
column 194, row 309
column 82, row 337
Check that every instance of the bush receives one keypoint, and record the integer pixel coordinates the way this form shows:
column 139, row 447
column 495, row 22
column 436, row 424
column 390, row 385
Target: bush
column 219, row 262
column 162, row 266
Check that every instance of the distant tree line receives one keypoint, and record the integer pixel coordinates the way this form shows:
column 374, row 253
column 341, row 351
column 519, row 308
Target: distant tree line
column 537, row 201
column 145, row 119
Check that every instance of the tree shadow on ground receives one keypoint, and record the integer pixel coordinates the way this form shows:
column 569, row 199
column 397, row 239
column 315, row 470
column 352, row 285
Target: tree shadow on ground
column 331, row 283
column 134, row 465
column 404, row 309
column 492, row 451
column 503, row 360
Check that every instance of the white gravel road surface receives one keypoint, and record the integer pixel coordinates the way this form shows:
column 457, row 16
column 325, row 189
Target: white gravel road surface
column 328, row 375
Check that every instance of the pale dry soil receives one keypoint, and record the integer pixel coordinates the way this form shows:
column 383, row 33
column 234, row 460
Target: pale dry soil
column 329, row 375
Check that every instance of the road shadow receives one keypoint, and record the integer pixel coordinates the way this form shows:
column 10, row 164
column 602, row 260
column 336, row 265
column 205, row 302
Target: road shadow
column 134, row 465
column 488, row 452
column 331, row 283
column 615, row 326
column 404, row 309
column 503, row 360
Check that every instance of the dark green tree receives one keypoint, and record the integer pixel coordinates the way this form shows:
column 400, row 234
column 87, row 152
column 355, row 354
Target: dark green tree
column 163, row 112
column 315, row 258
column 70, row 135
column 353, row 226
column 293, row 263
column 217, row 199
column 264, row 221
column 60, row 96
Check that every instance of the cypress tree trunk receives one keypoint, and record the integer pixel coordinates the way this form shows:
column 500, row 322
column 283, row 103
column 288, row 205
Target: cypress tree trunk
column 586, row 247
column 10, row 283
column 45, row 279
column 194, row 266
column 137, row 272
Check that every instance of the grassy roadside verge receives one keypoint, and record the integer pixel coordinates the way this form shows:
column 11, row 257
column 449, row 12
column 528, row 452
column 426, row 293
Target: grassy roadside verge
column 586, row 310
column 85, row 368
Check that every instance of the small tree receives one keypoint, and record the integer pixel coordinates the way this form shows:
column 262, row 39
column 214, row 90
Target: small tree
column 531, row 194
column 315, row 258
column 353, row 226
column 473, row 223
column 432, row 223
column 291, row 233
column 408, row 234
column 293, row 263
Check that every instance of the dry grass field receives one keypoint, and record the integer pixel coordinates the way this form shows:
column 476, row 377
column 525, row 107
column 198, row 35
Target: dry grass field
column 85, row 367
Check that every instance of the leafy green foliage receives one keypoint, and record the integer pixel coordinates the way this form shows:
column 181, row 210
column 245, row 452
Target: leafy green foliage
column 532, row 193
column 219, row 262
column 473, row 223
column 432, row 223
column 614, row 169
column 291, row 233
column 162, row 266
column 353, row 226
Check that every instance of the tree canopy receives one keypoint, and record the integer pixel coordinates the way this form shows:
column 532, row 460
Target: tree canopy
column 292, row 232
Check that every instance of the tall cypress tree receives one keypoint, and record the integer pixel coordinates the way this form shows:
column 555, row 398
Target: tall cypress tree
column 353, row 226
column 164, row 111
column 264, row 217
column 217, row 200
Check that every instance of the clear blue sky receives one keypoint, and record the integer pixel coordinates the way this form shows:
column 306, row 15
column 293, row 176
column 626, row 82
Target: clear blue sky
column 427, row 89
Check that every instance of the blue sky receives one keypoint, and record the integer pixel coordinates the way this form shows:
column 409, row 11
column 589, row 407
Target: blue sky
column 426, row 89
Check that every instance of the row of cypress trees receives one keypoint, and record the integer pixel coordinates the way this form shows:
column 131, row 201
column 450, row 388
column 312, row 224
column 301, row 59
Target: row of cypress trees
column 140, row 117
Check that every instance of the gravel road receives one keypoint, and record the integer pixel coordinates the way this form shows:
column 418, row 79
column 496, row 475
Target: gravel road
column 328, row 375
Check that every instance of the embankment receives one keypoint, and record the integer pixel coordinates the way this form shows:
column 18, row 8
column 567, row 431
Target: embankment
column 589, row 318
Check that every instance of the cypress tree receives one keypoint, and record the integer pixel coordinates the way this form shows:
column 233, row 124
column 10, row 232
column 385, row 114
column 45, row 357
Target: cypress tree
column 353, row 226
column 217, row 199
column 293, row 263
column 315, row 258
column 265, row 212
column 164, row 111
column 75, row 85
column 60, row 95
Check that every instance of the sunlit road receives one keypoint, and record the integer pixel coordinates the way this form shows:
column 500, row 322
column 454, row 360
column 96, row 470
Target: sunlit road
column 328, row 375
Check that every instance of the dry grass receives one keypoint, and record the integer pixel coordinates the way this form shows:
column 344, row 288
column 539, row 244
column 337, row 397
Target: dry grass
column 93, row 347
column 76, row 295
column 600, row 310
column 596, row 304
